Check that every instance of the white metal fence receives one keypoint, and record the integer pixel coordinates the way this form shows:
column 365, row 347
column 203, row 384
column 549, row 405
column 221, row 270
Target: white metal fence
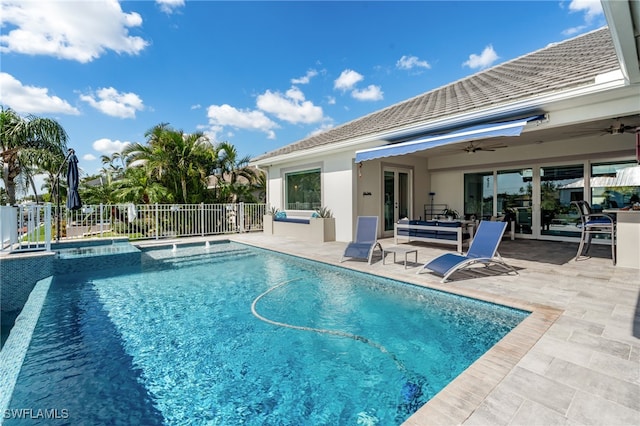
column 155, row 221
column 33, row 225
column 25, row 227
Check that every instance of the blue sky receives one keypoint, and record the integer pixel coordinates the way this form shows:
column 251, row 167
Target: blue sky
column 260, row 75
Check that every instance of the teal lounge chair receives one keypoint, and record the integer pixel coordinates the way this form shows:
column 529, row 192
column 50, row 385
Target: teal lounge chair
column 483, row 249
column 366, row 240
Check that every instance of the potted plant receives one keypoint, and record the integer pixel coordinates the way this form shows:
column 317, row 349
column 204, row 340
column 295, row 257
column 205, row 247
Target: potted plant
column 450, row 214
column 323, row 212
column 323, row 225
column 267, row 220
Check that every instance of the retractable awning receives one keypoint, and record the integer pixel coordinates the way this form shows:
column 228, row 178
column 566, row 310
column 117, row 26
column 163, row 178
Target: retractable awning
column 483, row 131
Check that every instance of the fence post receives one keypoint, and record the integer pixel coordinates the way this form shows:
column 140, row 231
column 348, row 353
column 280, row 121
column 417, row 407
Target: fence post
column 241, row 211
column 47, row 226
column 101, row 219
column 157, row 224
column 202, row 219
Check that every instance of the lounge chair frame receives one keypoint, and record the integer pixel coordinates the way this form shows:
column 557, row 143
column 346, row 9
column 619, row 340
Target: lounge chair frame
column 364, row 242
column 487, row 254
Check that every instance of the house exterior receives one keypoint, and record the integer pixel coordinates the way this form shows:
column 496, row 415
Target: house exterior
column 523, row 138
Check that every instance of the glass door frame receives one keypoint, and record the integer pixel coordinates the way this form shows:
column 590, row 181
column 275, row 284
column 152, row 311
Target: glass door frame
column 393, row 205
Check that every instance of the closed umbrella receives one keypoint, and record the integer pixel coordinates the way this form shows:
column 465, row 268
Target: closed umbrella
column 73, row 198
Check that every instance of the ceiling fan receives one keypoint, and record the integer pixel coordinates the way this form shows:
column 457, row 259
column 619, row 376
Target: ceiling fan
column 617, row 128
column 475, row 147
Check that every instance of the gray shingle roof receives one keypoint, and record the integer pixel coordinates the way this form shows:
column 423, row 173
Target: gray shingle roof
column 557, row 67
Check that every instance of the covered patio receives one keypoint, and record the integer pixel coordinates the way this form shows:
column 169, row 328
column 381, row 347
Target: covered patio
column 575, row 360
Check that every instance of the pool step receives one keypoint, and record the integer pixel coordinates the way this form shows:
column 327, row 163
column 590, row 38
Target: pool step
column 95, row 258
column 204, row 257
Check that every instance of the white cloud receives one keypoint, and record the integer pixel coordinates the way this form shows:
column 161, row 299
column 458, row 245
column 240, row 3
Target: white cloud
column 290, row 107
column 226, row 115
column 371, row 93
column 89, row 157
column 306, row 78
column 347, row 80
column 411, row 62
column 592, row 9
column 331, row 100
column 107, row 146
column 484, row 60
column 169, row 6
column 31, row 99
column 76, row 30
column 111, row 102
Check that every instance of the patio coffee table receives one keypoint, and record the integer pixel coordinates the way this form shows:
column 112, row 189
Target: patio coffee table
column 399, row 249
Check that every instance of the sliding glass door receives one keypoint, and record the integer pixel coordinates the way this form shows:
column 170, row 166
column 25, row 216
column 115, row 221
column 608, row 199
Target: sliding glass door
column 514, row 195
column 397, row 197
column 559, row 185
column 539, row 198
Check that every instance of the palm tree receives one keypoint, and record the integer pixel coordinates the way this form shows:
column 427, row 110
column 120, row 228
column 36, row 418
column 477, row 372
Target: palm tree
column 111, row 168
column 233, row 175
column 137, row 186
column 25, row 143
column 98, row 189
column 177, row 160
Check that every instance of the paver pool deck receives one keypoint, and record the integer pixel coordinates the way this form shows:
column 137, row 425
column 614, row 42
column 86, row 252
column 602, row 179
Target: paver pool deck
column 574, row 361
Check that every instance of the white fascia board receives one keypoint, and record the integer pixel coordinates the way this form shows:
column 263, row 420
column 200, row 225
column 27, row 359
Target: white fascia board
column 530, row 105
column 622, row 17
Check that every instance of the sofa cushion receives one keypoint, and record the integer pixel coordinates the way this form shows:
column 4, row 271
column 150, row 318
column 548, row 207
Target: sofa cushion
column 293, row 220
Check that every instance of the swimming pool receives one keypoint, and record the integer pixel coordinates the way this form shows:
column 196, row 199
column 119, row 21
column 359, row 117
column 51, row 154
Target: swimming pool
column 236, row 335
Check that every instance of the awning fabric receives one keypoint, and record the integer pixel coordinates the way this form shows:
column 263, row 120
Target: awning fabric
column 483, row 131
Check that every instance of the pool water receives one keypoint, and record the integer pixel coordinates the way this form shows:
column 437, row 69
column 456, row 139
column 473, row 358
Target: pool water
column 230, row 335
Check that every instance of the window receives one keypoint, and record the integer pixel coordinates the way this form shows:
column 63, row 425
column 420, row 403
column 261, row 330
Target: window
column 478, row 195
column 303, row 190
column 614, row 185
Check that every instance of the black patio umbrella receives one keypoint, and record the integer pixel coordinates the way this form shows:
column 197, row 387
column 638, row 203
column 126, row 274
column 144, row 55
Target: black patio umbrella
column 73, row 198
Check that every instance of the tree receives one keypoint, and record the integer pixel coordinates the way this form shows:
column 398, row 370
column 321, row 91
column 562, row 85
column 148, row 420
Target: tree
column 235, row 179
column 176, row 160
column 111, row 168
column 25, row 143
column 137, row 186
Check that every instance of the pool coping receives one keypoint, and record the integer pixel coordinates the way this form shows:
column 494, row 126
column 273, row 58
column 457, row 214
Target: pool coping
column 15, row 348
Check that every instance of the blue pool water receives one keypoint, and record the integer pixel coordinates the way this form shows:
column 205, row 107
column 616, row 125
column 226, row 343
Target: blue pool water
column 234, row 335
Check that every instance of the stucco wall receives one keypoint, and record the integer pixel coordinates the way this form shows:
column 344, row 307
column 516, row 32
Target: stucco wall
column 337, row 188
column 350, row 190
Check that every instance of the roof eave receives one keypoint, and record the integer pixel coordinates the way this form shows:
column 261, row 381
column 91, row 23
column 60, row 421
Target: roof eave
column 534, row 104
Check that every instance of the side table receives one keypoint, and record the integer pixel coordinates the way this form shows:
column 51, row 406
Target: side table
column 401, row 250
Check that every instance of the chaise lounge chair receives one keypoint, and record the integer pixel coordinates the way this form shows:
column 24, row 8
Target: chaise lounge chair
column 366, row 240
column 483, row 249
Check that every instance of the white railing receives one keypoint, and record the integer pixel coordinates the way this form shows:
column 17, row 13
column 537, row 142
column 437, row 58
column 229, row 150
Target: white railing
column 8, row 226
column 25, row 227
column 155, row 221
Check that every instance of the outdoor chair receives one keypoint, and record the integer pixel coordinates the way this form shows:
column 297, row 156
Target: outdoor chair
column 594, row 224
column 366, row 240
column 483, row 249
